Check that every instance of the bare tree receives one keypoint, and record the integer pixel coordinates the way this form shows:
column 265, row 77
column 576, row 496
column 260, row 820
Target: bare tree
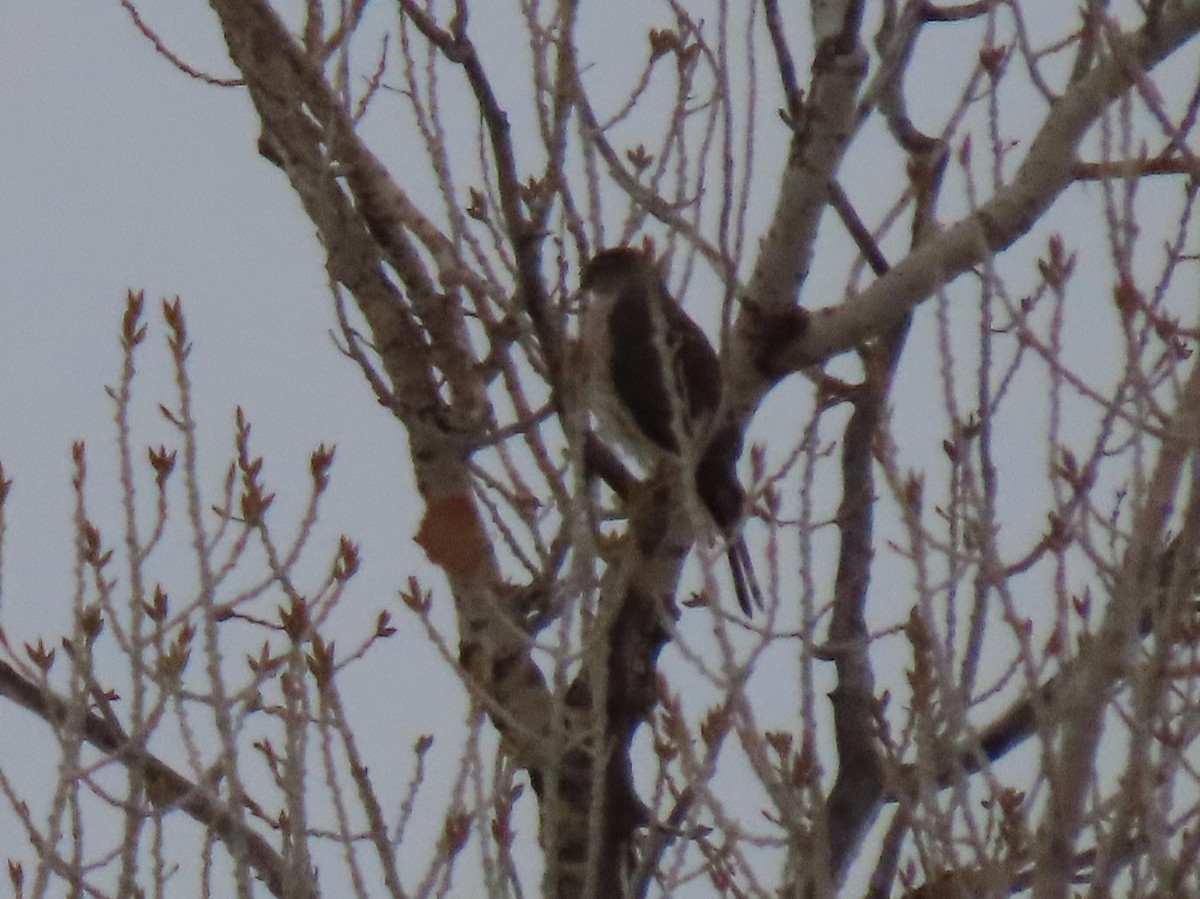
column 971, row 507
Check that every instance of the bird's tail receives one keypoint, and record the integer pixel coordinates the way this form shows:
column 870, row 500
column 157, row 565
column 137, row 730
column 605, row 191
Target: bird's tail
column 745, row 584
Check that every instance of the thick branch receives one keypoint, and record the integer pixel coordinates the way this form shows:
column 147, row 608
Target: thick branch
column 1081, row 703
column 824, row 127
column 854, row 798
column 1046, row 172
column 317, row 146
column 1021, row 720
column 168, row 786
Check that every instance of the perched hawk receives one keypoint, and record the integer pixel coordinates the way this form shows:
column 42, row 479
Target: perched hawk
column 655, row 387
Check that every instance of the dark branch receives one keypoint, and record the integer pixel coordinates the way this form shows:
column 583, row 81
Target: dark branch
column 170, row 787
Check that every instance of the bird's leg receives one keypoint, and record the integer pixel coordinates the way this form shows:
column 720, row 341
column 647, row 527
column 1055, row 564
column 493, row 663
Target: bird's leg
column 634, row 494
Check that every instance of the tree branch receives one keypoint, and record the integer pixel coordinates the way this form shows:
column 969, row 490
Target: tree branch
column 165, row 784
column 1048, row 169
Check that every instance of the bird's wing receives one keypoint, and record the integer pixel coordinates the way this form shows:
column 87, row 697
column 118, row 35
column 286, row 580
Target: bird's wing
column 637, row 373
column 696, row 366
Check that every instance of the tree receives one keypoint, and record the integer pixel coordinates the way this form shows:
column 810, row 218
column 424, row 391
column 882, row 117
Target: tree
column 973, row 514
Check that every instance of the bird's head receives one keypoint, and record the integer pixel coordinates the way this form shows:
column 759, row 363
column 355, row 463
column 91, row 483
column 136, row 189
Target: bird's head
column 612, row 269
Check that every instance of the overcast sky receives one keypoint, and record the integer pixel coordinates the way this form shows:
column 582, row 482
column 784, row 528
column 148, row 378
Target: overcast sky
column 118, row 172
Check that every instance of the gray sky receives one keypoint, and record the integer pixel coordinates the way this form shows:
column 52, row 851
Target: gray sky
column 122, row 173
column 118, row 172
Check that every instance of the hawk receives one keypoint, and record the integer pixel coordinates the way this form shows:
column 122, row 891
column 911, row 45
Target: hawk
column 655, row 387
